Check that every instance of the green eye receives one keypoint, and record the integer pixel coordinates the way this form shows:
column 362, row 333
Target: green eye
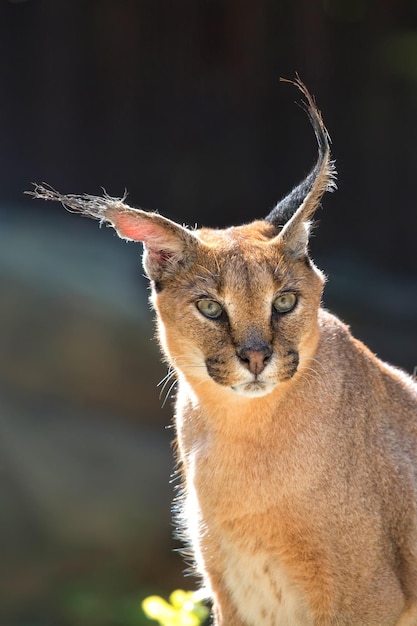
column 285, row 302
column 210, row 308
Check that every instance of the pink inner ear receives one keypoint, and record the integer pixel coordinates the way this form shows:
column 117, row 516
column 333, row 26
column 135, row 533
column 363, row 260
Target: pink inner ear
column 160, row 243
column 137, row 229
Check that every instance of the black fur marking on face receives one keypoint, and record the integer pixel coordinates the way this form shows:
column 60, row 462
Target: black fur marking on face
column 157, row 285
column 291, row 363
column 215, row 369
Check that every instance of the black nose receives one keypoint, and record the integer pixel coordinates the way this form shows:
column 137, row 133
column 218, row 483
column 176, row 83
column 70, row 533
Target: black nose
column 254, row 358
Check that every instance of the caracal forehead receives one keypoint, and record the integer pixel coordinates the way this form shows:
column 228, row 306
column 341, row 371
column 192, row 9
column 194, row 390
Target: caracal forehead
column 247, row 257
column 259, row 231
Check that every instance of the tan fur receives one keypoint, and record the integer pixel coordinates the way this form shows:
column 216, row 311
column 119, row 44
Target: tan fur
column 318, row 475
column 298, row 447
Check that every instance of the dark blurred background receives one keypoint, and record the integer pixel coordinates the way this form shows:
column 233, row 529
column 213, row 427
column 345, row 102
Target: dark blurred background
column 180, row 103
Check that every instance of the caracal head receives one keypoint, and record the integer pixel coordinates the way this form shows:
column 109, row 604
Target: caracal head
column 237, row 308
column 241, row 312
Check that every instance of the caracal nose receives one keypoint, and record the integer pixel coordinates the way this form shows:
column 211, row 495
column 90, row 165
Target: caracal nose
column 255, row 359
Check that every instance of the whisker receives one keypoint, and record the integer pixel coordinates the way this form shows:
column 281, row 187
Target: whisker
column 168, row 393
column 317, row 362
column 314, row 371
column 166, row 377
column 164, row 382
column 311, row 374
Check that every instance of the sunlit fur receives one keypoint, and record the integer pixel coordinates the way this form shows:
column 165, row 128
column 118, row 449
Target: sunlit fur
column 300, row 497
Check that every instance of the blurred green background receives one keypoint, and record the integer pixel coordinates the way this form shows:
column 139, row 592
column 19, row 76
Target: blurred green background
column 180, row 103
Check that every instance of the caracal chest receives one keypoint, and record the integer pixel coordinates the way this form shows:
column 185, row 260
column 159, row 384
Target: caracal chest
column 239, row 497
column 262, row 589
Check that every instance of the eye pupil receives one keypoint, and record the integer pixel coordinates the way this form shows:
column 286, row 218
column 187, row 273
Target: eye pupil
column 209, row 308
column 285, row 302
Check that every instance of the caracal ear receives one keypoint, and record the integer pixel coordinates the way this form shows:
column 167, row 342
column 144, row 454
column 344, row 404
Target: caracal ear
column 292, row 215
column 166, row 244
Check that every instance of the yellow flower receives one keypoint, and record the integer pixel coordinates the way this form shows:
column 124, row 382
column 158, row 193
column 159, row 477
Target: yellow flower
column 184, row 609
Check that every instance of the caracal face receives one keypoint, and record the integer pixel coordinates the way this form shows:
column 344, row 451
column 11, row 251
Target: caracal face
column 240, row 314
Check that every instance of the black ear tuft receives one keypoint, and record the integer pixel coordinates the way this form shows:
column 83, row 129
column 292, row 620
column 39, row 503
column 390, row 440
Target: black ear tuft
column 287, row 207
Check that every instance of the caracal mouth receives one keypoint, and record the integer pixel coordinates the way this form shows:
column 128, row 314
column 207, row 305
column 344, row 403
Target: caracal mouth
column 254, row 388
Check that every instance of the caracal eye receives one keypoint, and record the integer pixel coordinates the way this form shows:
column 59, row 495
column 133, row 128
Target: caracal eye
column 285, row 302
column 210, row 308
